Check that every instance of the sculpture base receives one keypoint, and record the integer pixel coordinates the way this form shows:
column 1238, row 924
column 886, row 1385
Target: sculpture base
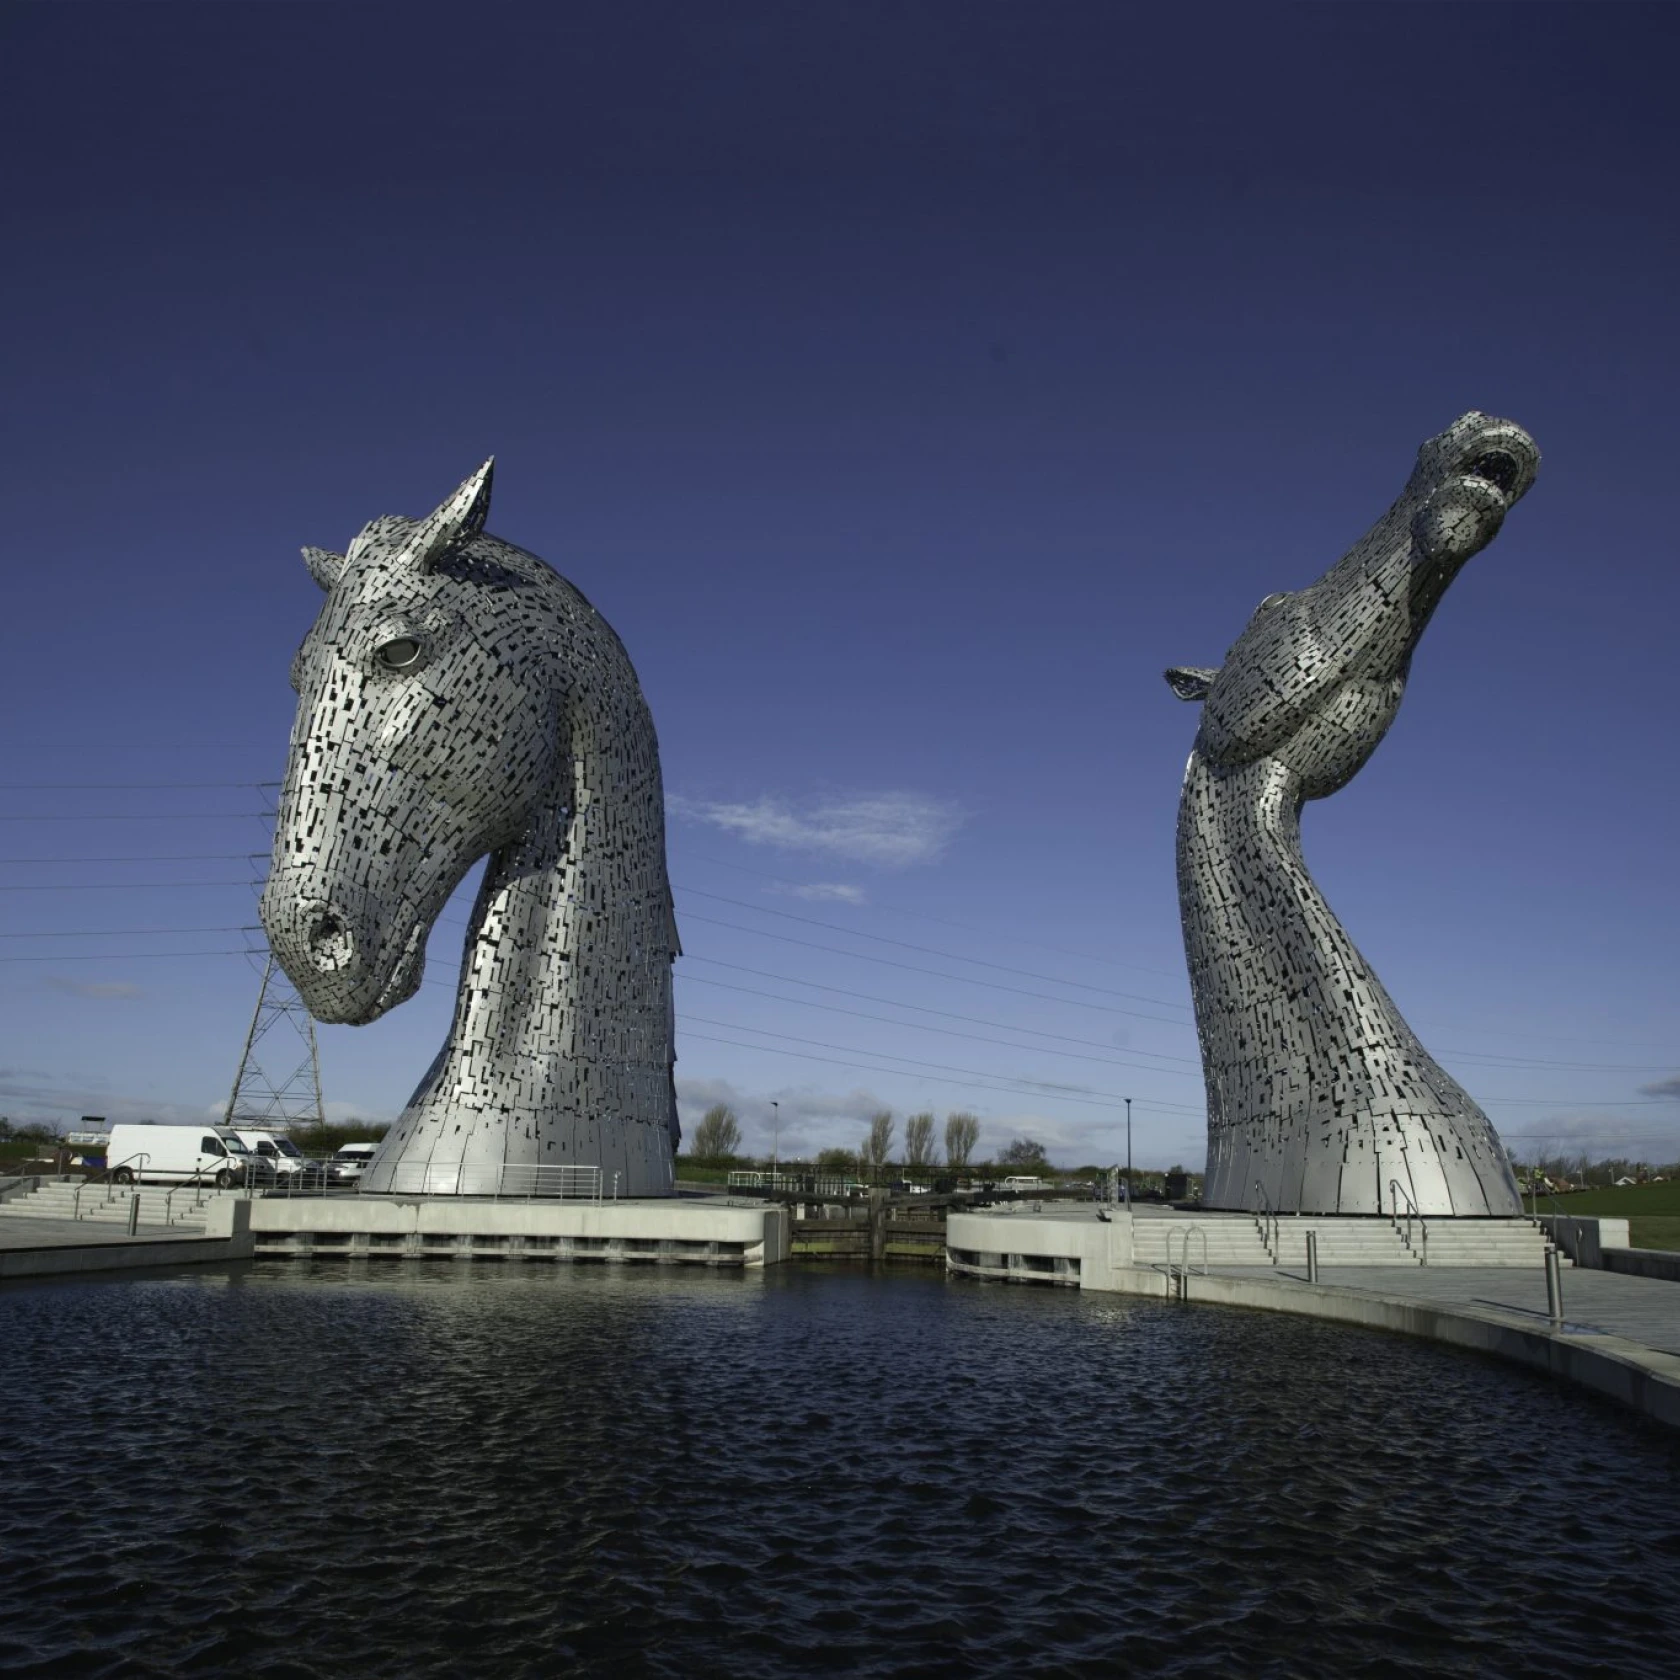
column 703, row 1231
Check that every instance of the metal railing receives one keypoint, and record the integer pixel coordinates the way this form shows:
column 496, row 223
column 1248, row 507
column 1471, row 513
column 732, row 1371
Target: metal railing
column 745, row 1178
column 1420, row 1248
column 500, row 1181
column 1266, row 1222
column 1187, row 1233
column 105, row 1179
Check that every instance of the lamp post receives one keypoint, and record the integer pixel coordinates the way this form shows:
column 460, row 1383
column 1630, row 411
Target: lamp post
column 1128, row 1154
column 775, row 1138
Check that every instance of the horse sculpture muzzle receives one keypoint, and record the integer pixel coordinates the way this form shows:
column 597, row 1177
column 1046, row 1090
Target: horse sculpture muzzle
column 347, row 959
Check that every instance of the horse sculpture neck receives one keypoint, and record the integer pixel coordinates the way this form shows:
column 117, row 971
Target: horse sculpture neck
column 563, row 1018
column 1317, row 1089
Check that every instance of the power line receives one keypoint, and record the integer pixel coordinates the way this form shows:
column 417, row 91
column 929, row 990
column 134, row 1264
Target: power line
column 125, row 933
column 1489, row 1058
column 125, row 787
column 1495, row 1061
column 156, row 857
column 913, row 968
column 1010, row 1080
column 136, row 816
column 871, row 1067
column 928, row 950
column 924, row 1009
column 889, row 962
column 918, row 1026
column 130, row 956
column 124, row 886
column 1581, row 1102
column 944, row 921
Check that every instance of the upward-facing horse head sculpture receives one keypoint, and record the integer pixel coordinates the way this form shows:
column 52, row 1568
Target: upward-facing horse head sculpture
column 457, row 698
column 1318, row 1092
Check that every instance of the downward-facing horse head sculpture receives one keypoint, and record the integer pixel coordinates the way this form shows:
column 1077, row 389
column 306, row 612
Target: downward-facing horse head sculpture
column 458, row 698
column 1320, row 1099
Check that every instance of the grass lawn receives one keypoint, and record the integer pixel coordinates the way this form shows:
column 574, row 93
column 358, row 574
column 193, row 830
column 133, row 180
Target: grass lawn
column 1653, row 1210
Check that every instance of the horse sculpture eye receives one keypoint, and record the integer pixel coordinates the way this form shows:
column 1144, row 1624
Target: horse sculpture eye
column 400, row 654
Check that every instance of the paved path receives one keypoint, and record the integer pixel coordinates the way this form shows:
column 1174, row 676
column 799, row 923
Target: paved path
column 1644, row 1310
column 22, row 1230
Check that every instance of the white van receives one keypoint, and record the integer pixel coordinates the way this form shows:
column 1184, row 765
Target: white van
column 1026, row 1183
column 178, row 1155
column 348, row 1165
column 275, row 1150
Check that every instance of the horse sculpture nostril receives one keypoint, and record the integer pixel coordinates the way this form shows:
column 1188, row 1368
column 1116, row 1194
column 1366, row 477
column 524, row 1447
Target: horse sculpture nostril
column 331, row 944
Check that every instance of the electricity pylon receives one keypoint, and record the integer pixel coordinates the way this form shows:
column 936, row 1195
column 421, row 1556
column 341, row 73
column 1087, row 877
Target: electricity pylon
column 259, row 1099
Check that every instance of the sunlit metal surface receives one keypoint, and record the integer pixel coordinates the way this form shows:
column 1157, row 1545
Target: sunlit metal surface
column 458, row 698
column 1320, row 1097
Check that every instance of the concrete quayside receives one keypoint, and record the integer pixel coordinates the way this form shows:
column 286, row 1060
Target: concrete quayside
column 1486, row 1283
column 61, row 1216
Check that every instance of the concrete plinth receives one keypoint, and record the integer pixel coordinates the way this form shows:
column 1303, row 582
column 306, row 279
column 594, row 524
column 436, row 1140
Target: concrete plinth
column 704, row 1233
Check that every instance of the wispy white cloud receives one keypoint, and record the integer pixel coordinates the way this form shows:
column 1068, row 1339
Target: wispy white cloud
column 94, row 988
column 821, row 892
column 888, row 830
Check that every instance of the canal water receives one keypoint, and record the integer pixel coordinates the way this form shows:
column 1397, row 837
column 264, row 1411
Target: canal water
column 336, row 1469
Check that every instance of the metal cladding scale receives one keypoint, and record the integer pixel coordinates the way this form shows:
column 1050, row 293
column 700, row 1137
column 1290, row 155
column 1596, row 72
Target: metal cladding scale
column 457, row 698
column 1320, row 1097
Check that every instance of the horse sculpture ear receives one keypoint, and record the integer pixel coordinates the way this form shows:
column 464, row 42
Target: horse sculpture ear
column 456, row 520
column 324, row 566
column 1190, row 682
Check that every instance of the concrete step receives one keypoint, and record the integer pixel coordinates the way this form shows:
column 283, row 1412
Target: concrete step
column 1235, row 1240
column 184, row 1210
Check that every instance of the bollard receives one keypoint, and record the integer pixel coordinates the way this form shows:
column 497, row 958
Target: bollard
column 877, row 1225
column 133, row 1212
column 1554, row 1286
column 1312, row 1256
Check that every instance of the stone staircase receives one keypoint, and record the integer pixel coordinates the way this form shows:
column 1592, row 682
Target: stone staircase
column 179, row 1207
column 1234, row 1239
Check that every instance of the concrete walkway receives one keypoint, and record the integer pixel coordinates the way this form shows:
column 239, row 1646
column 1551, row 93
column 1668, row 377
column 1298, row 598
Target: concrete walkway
column 33, row 1247
column 18, row 1231
column 1643, row 1310
column 1620, row 1335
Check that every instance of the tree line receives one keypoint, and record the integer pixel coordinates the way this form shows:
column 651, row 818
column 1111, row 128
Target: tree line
column 716, row 1142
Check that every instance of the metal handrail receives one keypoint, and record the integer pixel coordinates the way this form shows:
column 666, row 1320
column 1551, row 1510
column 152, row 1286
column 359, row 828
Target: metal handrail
column 1421, row 1248
column 1188, row 1232
column 1534, row 1195
column 1266, row 1222
column 502, row 1181
column 103, row 1176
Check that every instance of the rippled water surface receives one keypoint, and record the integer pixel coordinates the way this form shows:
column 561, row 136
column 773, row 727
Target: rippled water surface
column 297, row 1470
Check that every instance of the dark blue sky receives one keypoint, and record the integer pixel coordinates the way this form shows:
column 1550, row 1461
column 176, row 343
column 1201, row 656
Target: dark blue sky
column 908, row 386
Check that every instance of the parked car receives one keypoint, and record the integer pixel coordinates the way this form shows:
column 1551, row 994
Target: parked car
column 181, row 1155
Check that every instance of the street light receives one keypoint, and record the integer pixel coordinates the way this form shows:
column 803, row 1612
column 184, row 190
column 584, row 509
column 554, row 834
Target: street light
column 1128, row 1154
column 775, row 1137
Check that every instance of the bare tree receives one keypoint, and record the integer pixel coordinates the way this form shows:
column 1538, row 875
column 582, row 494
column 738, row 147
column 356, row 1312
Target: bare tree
column 918, row 1141
column 718, row 1135
column 962, row 1132
column 1024, row 1152
column 877, row 1151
